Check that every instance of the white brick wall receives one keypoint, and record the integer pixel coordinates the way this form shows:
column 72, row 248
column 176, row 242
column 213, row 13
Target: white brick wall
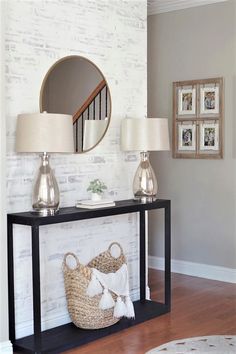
column 113, row 35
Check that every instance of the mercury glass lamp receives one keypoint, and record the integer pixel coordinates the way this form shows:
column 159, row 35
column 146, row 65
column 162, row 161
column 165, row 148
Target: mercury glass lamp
column 144, row 135
column 45, row 133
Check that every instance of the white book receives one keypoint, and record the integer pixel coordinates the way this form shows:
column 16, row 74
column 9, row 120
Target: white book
column 93, row 204
column 84, row 206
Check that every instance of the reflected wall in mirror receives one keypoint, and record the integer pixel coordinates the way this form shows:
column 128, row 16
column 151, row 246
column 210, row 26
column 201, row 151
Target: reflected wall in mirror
column 74, row 85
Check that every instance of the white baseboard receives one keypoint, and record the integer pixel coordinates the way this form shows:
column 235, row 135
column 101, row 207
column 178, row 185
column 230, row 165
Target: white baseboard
column 148, row 293
column 6, row 347
column 195, row 269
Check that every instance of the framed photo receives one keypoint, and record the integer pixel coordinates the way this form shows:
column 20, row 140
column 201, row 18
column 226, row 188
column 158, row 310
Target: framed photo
column 209, row 100
column 209, row 136
column 187, row 137
column 198, row 119
column 186, row 101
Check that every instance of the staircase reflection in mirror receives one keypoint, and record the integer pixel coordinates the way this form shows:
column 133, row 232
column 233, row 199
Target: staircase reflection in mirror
column 74, row 85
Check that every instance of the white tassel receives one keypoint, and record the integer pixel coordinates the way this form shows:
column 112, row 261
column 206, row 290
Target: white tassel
column 106, row 301
column 120, row 308
column 94, row 287
column 129, row 308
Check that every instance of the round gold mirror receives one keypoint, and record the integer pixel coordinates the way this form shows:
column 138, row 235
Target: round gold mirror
column 74, row 85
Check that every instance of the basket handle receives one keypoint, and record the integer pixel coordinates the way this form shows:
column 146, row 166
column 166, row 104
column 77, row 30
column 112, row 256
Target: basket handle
column 65, row 265
column 117, row 244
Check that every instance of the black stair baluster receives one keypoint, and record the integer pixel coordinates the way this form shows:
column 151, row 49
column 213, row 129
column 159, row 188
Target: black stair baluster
column 94, row 107
column 82, row 132
column 100, row 105
column 106, row 100
column 76, row 135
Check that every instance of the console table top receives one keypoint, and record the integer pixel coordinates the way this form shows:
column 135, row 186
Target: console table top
column 72, row 213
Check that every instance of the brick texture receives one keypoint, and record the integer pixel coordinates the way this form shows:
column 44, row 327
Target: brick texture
column 113, row 35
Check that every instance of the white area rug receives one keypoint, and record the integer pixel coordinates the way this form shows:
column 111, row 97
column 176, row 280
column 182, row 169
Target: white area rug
column 210, row 344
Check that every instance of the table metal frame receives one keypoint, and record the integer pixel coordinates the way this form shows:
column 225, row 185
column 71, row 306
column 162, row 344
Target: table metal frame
column 70, row 336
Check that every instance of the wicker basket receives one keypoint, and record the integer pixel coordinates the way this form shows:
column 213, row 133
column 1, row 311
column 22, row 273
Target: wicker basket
column 84, row 310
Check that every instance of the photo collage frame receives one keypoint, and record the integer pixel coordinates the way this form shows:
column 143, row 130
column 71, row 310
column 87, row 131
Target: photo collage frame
column 198, row 112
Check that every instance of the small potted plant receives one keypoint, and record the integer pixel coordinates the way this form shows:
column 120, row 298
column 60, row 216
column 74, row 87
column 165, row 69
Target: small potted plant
column 96, row 187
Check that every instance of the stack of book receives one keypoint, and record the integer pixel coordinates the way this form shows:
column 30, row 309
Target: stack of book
column 92, row 204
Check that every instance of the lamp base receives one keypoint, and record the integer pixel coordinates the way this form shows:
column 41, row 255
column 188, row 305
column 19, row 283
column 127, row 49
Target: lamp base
column 144, row 199
column 46, row 195
column 145, row 182
column 45, row 211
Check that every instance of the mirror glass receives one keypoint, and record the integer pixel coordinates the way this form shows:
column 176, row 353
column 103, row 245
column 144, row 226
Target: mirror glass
column 74, row 85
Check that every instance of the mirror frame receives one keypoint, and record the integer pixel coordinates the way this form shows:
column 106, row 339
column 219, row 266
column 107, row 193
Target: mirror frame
column 109, row 93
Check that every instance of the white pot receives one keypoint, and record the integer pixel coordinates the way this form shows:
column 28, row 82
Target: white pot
column 96, row 197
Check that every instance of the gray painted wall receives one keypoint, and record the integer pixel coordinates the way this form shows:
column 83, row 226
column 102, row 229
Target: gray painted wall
column 190, row 44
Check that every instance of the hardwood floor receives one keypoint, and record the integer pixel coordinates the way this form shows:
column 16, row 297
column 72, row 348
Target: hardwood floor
column 199, row 307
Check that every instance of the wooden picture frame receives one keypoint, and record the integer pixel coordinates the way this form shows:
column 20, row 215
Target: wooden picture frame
column 198, row 117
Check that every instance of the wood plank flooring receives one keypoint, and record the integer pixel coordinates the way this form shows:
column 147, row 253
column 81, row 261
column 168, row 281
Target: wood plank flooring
column 199, row 307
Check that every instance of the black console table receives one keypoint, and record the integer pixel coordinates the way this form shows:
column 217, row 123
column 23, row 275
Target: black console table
column 68, row 336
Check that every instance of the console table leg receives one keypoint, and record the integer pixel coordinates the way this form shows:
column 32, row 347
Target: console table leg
column 11, row 290
column 36, row 287
column 167, row 256
column 142, row 265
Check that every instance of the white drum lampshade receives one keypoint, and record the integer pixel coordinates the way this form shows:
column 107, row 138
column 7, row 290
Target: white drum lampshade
column 148, row 134
column 144, row 135
column 44, row 133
